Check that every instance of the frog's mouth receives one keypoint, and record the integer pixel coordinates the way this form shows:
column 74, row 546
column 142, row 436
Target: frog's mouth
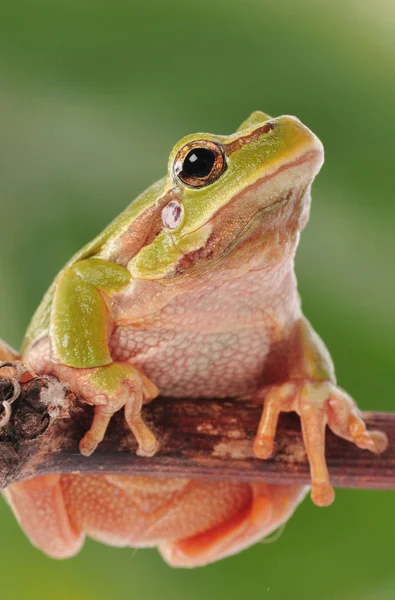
column 275, row 200
column 312, row 160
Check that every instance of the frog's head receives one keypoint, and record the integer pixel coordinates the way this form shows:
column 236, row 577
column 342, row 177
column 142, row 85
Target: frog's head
column 225, row 194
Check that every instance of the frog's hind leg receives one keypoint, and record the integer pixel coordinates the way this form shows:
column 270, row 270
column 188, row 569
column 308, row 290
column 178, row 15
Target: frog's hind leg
column 270, row 507
column 40, row 509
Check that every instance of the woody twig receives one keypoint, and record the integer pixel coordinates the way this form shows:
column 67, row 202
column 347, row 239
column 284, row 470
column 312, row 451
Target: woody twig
column 204, row 439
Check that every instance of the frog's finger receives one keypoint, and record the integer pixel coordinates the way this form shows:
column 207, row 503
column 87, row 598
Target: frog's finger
column 275, row 401
column 96, row 433
column 313, row 420
column 148, row 445
column 150, row 391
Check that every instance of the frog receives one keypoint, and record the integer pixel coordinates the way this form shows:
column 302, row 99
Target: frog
column 191, row 292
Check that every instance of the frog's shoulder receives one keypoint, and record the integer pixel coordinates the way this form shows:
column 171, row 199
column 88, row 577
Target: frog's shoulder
column 40, row 322
column 96, row 246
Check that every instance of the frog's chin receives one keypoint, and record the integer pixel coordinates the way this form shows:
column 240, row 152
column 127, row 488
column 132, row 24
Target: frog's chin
column 275, row 188
column 276, row 224
column 275, row 207
column 272, row 189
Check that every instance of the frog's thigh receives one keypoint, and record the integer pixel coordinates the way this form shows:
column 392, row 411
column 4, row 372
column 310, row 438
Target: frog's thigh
column 143, row 511
column 40, row 509
column 269, row 508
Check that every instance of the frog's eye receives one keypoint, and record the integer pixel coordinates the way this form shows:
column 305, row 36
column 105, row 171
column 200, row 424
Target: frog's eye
column 199, row 163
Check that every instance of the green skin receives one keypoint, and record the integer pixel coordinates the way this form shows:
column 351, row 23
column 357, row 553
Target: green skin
column 75, row 292
column 265, row 167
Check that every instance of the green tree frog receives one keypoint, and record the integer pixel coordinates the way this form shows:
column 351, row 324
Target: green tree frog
column 191, row 292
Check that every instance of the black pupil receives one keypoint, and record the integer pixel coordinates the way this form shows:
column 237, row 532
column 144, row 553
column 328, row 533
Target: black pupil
column 199, row 162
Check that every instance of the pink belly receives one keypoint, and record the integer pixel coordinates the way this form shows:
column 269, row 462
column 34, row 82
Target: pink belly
column 196, row 364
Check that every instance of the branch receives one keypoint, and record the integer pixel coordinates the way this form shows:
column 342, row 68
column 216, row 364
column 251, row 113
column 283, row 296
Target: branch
column 204, row 439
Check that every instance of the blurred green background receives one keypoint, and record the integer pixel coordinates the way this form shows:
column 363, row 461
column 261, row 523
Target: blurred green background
column 93, row 95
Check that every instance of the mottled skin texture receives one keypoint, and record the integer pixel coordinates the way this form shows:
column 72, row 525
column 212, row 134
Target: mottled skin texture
column 206, row 309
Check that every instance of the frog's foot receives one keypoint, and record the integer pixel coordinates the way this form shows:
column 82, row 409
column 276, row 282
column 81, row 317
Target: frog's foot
column 318, row 404
column 109, row 388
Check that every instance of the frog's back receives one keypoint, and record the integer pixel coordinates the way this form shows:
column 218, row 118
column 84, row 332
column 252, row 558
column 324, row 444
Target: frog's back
column 39, row 324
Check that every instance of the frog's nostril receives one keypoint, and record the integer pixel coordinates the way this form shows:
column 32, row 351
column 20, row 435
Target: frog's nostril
column 268, row 127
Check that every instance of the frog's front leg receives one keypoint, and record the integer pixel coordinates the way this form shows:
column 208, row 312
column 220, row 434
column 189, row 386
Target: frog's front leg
column 311, row 392
column 79, row 332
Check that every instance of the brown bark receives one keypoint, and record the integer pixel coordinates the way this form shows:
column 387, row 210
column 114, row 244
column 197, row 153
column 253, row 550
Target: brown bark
column 207, row 439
